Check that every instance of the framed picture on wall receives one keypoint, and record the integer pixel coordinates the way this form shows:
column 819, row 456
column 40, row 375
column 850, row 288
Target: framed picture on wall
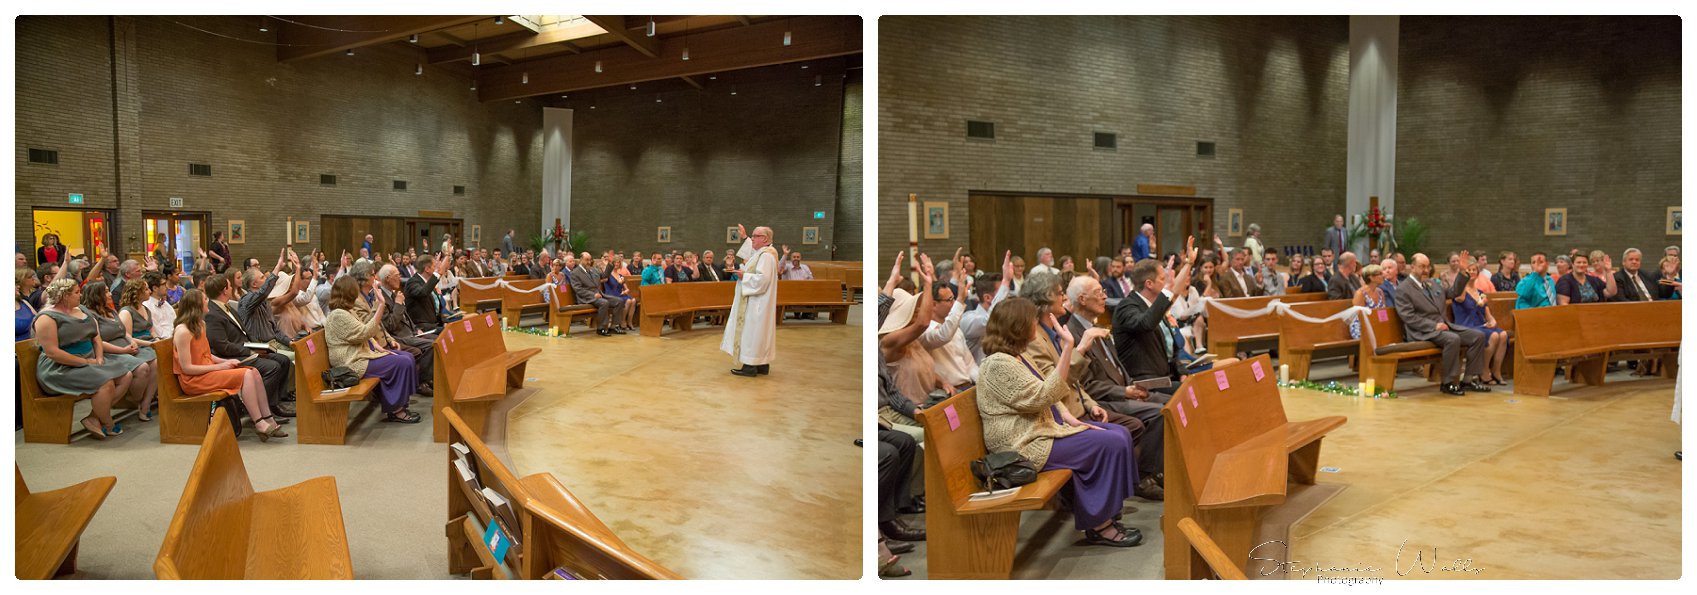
column 1234, row 223
column 936, row 220
column 303, row 232
column 1676, row 226
column 664, row 235
column 732, row 236
column 477, row 236
column 238, row 231
column 1555, row 222
column 809, row 235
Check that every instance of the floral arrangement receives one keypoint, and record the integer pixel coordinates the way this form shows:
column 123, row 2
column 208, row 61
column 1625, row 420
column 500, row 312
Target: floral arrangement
column 1375, row 222
column 557, row 236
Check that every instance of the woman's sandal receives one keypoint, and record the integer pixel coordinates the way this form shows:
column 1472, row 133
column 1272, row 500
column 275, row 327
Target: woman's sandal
column 403, row 417
column 275, row 432
column 1126, row 538
column 93, row 427
column 891, row 569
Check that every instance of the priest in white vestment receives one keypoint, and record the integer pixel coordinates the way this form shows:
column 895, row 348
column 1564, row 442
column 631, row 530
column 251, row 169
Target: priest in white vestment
column 751, row 331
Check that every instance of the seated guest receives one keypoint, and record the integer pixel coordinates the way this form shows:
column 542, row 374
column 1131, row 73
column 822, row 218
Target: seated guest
column 1537, row 289
column 1065, row 265
column 1420, row 303
column 1508, row 272
column 359, row 347
column 257, row 306
column 1306, row 281
column 1453, row 268
column 24, row 315
column 498, row 264
column 1393, row 278
column 424, row 302
column 159, row 313
column 74, row 360
column 100, row 305
column 713, row 272
column 1020, row 412
column 1044, row 352
column 1115, row 285
column 1236, row 282
column 226, row 337
column 559, row 277
column 1667, row 279
column 990, row 289
column 1271, row 280
column 1105, row 381
column 418, row 343
column 1141, row 336
column 1045, row 262
column 44, row 276
column 303, row 314
column 655, row 272
column 543, row 265
column 1018, row 277
column 614, row 287
column 199, row 371
column 792, row 269
column 1470, row 310
column 897, row 456
column 1581, row 287
column 1632, row 281
column 1369, row 295
column 1345, row 284
column 942, row 337
column 138, row 328
column 1564, row 265
column 586, row 287
column 1328, row 264
column 908, row 363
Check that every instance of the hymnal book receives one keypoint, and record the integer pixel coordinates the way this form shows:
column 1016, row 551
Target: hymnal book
column 263, row 346
column 500, row 506
column 992, row 495
column 461, row 448
column 560, row 574
column 1201, row 360
column 1157, row 382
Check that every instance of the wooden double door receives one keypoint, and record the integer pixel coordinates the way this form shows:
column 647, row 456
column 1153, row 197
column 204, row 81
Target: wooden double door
column 388, row 234
column 1082, row 227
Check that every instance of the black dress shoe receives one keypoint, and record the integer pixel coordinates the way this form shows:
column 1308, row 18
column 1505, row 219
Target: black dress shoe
column 749, row 371
column 900, row 532
column 764, row 368
column 898, row 547
column 604, row 333
column 1476, row 386
column 615, row 331
column 1452, row 389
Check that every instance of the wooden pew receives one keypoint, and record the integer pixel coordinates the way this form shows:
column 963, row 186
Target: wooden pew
column 680, row 303
column 813, row 296
column 473, row 364
column 182, row 418
column 47, row 418
column 322, row 418
column 1586, row 337
column 1203, row 551
column 1235, row 464
column 1299, row 340
column 1226, row 332
column 967, row 539
column 566, row 310
column 514, row 302
column 224, row 530
column 473, row 300
column 50, row 525
column 555, row 529
column 1384, row 350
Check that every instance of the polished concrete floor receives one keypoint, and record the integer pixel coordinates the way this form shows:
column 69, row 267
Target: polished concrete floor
column 1580, row 486
column 709, row 474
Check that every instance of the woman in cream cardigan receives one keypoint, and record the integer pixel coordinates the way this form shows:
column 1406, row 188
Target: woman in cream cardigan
column 1019, row 412
column 355, row 345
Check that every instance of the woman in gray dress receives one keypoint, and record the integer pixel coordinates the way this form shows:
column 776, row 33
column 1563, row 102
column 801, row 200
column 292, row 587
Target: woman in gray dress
column 97, row 301
column 72, row 362
column 138, row 327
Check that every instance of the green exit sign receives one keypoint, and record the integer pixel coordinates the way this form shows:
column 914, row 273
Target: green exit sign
column 76, row 199
column 819, row 214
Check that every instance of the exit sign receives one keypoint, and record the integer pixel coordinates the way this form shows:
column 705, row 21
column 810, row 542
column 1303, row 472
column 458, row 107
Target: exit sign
column 176, row 202
column 819, row 214
column 76, row 199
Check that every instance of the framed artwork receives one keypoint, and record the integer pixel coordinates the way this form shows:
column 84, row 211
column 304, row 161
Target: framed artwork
column 936, row 220
column 1676, row 226
column 477, row 235
column 303, row 232
column 664, row 235
column 732, row 236
column 1555, row 222
column 238, row 231
column 809, row 235
column 1234, row 223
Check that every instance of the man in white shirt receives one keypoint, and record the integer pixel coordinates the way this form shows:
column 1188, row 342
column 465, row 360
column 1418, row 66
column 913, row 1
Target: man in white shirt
column 160, row 314
column 1045, row 263
column 954, row 362
column 792, row 268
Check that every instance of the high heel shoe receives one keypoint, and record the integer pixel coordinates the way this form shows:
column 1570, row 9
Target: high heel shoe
column 93, row 427
column 275, row 432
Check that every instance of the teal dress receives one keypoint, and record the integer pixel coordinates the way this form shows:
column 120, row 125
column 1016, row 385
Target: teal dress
column 76, row 337
column 112, row 331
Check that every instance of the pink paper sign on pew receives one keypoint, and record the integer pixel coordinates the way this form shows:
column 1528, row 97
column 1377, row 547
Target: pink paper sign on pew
column 1384, row 316
column 1182, row 420
column 954, row 419
column 1220, row 379
column 1256, row 368
column 468, row 325
column 488, row 320
column 1193, row 403
column 311, row 347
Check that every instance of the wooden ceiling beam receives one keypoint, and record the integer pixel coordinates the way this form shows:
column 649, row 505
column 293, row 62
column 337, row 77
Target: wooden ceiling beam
column 761, row 44
column 692, row 82
column 298, row 42
column 516, row 42
column 615, row 26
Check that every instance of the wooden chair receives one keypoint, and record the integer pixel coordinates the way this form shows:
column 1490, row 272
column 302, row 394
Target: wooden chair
column 1300, row 340
column 47, row 418
column 1384, row 350
column 566, row 310
column 555, row 529
column 322, row 418
column 969, row 539
column 223, row 530
column 473, row 364
column 813, row 296
column 183, row 418
column 515, row 303
column 1235, row 464
column 1227, row 333
column 1204, row 552
column 50, row 525
column 1586, row 337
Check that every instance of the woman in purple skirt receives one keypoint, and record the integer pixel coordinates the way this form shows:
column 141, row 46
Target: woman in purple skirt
column 1020, row 412
column 357, row 345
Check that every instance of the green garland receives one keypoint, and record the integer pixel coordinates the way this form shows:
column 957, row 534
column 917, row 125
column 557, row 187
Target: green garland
column 538, row 331
column 1336, row 388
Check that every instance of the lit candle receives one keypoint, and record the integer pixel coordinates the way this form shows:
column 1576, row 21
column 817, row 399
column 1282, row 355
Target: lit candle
column 1363, row 388
column 1367, row 390
column 1284, row 373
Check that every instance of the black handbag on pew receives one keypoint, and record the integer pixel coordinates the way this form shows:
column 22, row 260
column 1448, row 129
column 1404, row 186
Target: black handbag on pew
column 1004, row 470
column 340, row 377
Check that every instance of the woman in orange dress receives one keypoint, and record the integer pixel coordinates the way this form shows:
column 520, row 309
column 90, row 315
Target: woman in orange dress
column 200, row 372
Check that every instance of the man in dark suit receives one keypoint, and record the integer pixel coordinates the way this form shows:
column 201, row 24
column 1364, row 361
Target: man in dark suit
column 1115, row 285
column 399, row 325
column 711, row 271
column 1142, row 341
column 420, row 291
column 225, row 337
column 1335, row 236
column 1346, row 282
column 1420, row 303
column 543, row 266
column 1106, row 381
column 586, row 285
column 1636, row 285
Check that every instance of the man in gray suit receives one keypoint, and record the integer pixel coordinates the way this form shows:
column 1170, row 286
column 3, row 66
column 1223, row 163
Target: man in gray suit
column 1108, row 382
column 1342, row 286
column 586, row 284
column 1335, row 236
column 507, row 243
column 1420, row 303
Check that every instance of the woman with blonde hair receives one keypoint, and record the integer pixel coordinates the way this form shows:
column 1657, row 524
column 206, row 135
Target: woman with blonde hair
column 74, row 362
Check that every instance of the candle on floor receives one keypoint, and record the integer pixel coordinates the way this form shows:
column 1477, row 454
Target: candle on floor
column 1367, row 388
column 1284, row 373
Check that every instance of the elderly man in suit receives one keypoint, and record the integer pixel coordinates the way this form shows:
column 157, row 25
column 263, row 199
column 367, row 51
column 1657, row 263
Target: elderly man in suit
column 226, row 337
column 1420, row 303
column 586, row 285
column 1344, row 285
column 1106, row 381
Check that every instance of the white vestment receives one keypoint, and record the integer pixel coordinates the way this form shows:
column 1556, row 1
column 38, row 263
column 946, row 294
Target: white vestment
column 751, row 331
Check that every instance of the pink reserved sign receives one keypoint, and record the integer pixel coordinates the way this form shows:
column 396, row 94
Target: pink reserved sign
column 1255, row 367
column 1193, row 403
column 954, row 419
column 1384, row 316
column 1220, row 379
column 311, row 347
column 1183, row 420
column 468, row 325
